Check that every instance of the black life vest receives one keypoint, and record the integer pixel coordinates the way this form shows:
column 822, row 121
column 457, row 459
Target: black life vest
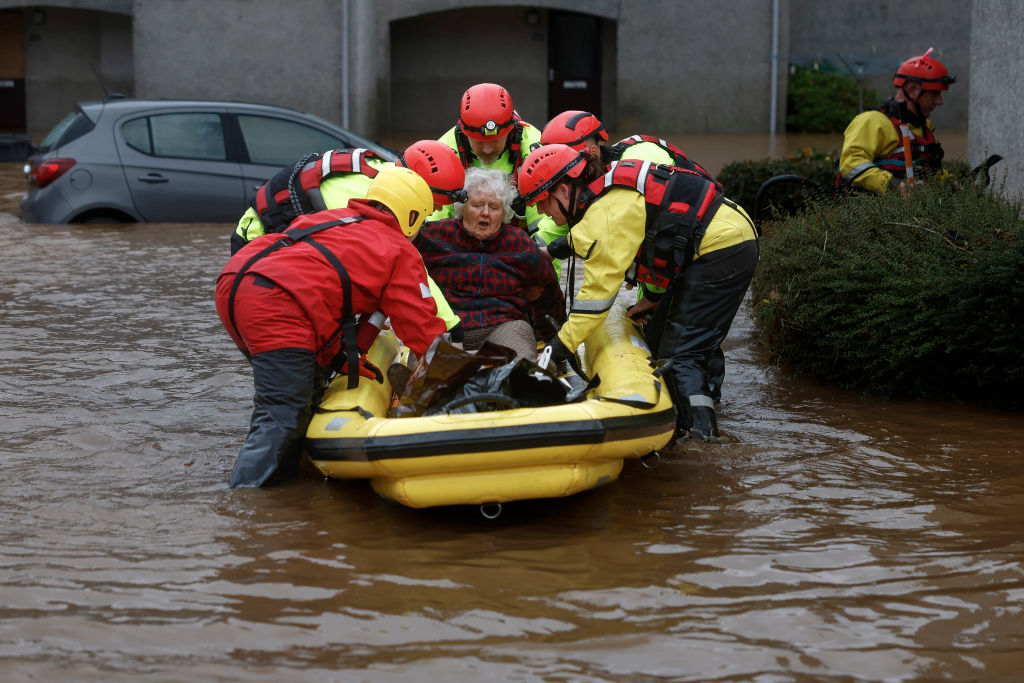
column 295, row 190
column 347, row 328
column 680, row 205
column 679, row 158
column 514, row 145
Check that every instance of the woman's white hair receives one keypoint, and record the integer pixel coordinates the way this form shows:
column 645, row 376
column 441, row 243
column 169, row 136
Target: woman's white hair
column 488, row 182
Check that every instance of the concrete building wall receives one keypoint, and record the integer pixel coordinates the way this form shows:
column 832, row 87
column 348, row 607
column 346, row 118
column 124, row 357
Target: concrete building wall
column 436, row 49
column 688, row 66
column 114, row 6
column 997, row 91
column 653, row 79
column 260, row 50
column 62, row 48
column 429, row 76
column 875, row 36
column 703, row 70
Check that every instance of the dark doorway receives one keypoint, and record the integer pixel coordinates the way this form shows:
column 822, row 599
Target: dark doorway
column 574, row 62
column 12, row 71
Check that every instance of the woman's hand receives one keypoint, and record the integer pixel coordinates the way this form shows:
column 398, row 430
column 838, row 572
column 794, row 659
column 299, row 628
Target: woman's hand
column 533, row 293
column 419, row 370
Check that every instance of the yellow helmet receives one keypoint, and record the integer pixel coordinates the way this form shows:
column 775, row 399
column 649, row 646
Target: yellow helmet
column 405, row 194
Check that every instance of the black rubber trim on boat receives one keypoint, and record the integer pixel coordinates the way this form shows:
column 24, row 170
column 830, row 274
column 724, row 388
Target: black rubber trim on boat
column 490, row 439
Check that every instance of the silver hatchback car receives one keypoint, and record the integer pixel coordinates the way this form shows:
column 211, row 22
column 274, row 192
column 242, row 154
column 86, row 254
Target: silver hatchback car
column 180, row 161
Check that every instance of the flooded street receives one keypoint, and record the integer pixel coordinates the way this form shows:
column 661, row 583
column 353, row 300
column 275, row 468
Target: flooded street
column 832, row 537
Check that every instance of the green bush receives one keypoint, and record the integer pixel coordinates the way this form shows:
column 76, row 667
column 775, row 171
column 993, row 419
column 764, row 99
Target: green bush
column 821, row 100
column 919, row 295
column 742, row 180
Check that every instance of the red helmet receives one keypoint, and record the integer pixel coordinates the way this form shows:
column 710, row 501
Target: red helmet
column 439, row 165
column 573, row 128
column 546, row 167
column 926, row 70
column 486, row 112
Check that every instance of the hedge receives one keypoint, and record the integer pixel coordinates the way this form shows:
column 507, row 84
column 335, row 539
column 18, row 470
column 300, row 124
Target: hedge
column 915, row 295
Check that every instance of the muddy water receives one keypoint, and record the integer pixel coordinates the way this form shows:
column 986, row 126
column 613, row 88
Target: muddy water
column 830, row 538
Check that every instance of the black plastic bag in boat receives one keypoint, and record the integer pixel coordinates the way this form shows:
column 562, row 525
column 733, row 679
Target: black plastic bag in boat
column 492, row 378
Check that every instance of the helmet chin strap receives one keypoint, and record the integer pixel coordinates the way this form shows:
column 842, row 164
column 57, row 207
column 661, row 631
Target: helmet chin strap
column 570, row 211
column 911, row 100
column 913, row 115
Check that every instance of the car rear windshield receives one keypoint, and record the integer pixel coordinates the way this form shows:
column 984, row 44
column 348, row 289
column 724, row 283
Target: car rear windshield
column 73, row 126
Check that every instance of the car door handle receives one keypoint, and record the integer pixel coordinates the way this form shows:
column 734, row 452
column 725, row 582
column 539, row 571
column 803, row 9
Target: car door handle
column 152, row 178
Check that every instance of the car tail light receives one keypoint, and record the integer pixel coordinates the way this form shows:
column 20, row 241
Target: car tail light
column 45, row 172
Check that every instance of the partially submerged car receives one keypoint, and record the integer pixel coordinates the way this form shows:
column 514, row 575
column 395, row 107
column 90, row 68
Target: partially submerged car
column 183, row 161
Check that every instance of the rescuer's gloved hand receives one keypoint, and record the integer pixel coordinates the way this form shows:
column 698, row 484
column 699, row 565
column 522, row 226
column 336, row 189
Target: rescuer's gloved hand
column 559, row 353
column 559, row 248
column 366, row 369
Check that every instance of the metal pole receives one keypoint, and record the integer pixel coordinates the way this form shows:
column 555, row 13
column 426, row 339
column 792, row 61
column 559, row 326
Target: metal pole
column 344, row 65
column 773, row 125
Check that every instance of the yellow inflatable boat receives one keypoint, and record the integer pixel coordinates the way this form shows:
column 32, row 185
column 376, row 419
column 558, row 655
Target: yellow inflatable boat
column 489, row 458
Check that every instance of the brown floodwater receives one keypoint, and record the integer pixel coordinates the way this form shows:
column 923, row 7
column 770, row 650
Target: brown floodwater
column 831, row 537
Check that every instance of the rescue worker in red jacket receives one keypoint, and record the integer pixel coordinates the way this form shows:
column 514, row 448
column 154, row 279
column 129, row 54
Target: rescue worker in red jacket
column 661, row 225
column 874, row 142
column 288, row 300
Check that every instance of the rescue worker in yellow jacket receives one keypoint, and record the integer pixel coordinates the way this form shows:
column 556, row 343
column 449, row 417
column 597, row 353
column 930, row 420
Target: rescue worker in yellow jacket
column 584, row 132
column 874, row 144
column 670, row 227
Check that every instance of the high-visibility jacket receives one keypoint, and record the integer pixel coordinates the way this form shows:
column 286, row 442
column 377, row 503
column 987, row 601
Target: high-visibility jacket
column 314, row 183
column 385, row 271
column 873, row 148
column 641, row 221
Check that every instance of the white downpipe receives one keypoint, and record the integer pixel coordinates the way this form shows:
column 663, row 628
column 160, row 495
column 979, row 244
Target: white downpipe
column 345, row 28
column 773, row 117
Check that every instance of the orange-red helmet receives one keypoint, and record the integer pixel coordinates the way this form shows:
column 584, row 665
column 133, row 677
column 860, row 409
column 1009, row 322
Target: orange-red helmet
column 926, row 70
column 486, row 112
column 573, row 128
column 545, row 167
column 439, row 165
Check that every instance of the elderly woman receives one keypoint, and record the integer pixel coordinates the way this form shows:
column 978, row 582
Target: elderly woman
column 492, row 274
